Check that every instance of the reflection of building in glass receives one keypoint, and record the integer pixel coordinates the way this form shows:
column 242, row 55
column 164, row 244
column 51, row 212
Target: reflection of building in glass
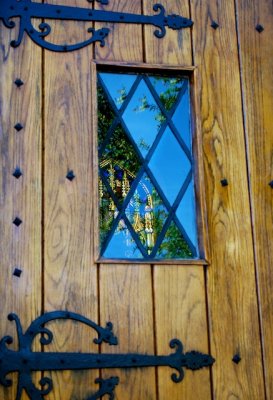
column 140, row 210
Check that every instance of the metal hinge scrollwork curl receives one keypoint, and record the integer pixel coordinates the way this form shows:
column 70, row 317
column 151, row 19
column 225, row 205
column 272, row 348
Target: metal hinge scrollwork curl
column 25, row 361
column 27, row 10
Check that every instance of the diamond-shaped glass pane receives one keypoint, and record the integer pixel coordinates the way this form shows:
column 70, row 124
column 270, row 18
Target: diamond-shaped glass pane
column 168, row 89
column 187, row 215
column 122, row 245
column 143, row 118
column 170, row 165
column 105, row 115
column 174, row 246
column 147, row 213
column 182, row 119
column 118, row 85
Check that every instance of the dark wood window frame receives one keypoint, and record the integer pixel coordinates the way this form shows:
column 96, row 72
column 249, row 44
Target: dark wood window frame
column 199, row 183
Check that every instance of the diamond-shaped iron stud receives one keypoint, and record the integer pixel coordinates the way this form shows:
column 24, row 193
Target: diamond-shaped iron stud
column 214, row 25
column 17, row 173
column 259, row 28
column 70, row 175
column 18, row 127
column 236, row 359
column 17, row 221
column 224, row 182
column 18, row 82
column 17, row 272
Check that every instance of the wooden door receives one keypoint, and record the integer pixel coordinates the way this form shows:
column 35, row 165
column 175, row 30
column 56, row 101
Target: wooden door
column 221, row 304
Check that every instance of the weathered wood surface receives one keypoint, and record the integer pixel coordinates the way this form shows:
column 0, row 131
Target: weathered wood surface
column 256, row 58
column 180, row 312
column 126, row 300
column 175, row 48
column 232, row 297
column 124, row 42
column 70, row 274
column 20, row 246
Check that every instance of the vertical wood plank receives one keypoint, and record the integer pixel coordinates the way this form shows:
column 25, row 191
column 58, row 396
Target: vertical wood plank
column 180, row 312
column 70, row 274
column 126, row 290
column 124, row 42
column 256, row 51
column 234, row 325
column 19, row 246
column 175, row 47
column 179, row 291
column 126, row 300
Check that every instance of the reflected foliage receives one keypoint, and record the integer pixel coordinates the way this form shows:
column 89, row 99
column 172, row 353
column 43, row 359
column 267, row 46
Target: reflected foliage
column 168, row 90
column 105, row 115
column 174, row 245
column 120, row 150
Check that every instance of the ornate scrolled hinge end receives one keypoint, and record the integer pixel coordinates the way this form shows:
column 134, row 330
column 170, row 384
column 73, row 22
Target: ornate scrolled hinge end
column 26, row 10
column 25, row 360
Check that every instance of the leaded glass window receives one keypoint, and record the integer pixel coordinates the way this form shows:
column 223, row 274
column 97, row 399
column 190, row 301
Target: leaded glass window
column 147, row 205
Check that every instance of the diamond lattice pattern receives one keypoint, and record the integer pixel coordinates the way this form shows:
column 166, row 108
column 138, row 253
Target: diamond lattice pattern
column 146, row 188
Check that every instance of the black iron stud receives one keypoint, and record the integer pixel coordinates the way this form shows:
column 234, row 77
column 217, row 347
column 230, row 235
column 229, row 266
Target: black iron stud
column 259, row 28
column 271, row 184
column 17, row 173
column 17, row 272
column 17, row 221
column 224, row 182
column 18, row 82
column 18, row 127
column 70, row 175
column 236, row 359
column 214, row 25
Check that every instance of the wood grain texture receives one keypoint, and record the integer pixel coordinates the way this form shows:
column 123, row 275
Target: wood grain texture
column 234, row 325
column 148, row 305
column 175, row 47
column 19, row 246
column 124, row 42
column 256, row 51
column 126, row 301
column 70, row 274
column 180, row 312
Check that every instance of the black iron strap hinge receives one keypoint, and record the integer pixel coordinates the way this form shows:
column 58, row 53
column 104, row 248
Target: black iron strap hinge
column 26, row 10
column 25, row 361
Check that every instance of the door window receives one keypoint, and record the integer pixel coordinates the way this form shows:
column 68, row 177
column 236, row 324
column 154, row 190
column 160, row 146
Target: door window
column 147, row 207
